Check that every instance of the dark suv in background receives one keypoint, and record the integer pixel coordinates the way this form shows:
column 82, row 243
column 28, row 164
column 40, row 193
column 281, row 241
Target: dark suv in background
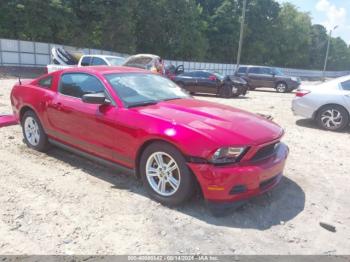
column 260, row 76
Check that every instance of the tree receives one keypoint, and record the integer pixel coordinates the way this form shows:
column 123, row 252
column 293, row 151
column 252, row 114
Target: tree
column 35, row 20
column 317, row 52
column 171, row 29
column 292, row 37
column 118, row 26
column 223, row 32
column 259, row 45
column 339, row 55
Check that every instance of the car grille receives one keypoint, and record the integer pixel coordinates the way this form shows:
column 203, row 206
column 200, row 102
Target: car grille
column 265, row 152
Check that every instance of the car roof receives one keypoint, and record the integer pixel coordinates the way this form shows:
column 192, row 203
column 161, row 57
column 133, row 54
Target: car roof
column 105, row 69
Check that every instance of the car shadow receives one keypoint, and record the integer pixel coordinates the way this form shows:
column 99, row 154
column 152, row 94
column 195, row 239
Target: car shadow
column 276, row 207
column 309, row 123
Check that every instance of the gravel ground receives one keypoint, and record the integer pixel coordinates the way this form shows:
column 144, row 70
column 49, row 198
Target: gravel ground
column 59, row 203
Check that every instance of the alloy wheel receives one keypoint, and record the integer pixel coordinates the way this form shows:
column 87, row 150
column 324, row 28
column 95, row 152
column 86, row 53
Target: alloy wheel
column 163, row 174
column 281, row 88
column 31, row 129
column 331, row 119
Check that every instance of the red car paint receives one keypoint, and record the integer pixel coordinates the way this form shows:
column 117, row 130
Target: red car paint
column 197, row 128
column 8, row 120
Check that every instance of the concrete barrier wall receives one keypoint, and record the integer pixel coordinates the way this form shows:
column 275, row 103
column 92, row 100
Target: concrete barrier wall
column 36, row 54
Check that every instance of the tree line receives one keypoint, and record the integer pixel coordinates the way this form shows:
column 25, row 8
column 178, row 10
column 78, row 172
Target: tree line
column 197, row 30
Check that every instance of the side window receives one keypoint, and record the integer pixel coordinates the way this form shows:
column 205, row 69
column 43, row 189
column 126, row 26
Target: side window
column 242, row 70
column 204, row 74
column 190, row 74
column 266, row 71
column 45, row 82
column 346, row 85
column 86, row 61
column 98, row 61
column 79, row 84
column 196, row 74
column 254, row 70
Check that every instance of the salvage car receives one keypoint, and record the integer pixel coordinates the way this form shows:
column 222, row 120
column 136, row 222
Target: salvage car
column 327, row 103
column 201, row 81
column 145, row 124
column 146, row 61
column 262, row 76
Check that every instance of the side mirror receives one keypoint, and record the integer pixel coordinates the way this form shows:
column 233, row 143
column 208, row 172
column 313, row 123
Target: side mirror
column 96, row 98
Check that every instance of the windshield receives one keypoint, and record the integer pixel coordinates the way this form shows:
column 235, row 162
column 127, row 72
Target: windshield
column 137, row 89
column 115, row 61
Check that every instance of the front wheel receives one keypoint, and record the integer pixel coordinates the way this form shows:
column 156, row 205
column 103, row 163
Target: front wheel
column 165, row 174
column 33, row 132
column 226, row 91
column 333, row 118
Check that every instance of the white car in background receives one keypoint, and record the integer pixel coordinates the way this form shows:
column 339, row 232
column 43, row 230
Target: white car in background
column 327, row 103
column 63, row 59
column 95, row 60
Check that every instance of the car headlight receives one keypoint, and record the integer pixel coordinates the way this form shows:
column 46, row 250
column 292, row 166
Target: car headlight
column 226, row 155
column 296, row 79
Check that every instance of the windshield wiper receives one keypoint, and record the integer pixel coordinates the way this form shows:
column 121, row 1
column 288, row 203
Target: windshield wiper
column 145, row 103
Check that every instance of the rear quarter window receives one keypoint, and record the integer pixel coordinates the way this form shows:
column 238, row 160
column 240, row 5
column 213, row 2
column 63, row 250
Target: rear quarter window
column 45, row 82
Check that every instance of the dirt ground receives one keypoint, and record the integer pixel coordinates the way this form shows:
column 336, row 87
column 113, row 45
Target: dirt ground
column 59, row 203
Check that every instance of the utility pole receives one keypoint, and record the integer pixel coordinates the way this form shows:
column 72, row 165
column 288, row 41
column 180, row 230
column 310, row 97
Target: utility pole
column 327, row 53
column 241, row 35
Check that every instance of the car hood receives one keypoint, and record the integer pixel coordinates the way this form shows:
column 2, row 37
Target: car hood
column 223, row 124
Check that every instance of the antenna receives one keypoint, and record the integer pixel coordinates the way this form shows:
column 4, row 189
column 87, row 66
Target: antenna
column 19, row 79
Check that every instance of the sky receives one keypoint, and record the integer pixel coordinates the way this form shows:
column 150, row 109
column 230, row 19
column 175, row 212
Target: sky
column 329, row 13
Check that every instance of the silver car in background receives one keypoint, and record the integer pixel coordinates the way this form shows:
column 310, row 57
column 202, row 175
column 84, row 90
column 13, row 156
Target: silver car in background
column 327, row 103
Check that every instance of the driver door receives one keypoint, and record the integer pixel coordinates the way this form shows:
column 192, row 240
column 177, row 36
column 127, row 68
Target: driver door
column 82, row 125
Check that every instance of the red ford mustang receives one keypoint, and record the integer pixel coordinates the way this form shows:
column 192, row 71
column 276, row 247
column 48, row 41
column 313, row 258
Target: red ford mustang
column 146, row 124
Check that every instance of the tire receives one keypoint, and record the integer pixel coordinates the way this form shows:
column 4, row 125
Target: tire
column 226, row 91
column 172, row 194
column 33, row 132
column 281, row 87
column 333, row 118
column 251, row 88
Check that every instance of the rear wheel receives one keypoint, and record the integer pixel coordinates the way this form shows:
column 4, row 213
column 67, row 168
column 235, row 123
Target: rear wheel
column 165, row 174
column 333, row 117
column 33, row 132
column 281, row 87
